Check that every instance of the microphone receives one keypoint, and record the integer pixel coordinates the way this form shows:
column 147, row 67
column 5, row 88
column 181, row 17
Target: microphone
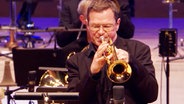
column 118, row 95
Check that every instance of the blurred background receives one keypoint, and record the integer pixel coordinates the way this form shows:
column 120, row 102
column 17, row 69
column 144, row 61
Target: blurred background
column 143, row 8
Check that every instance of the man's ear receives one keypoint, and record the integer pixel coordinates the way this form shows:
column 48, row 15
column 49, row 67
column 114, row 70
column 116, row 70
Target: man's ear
column 118, row 23
column 82, row 19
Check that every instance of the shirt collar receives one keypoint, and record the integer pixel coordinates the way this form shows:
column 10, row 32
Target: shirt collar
column 91, row 50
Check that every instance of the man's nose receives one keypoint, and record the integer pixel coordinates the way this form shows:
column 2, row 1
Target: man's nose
column 101, row 30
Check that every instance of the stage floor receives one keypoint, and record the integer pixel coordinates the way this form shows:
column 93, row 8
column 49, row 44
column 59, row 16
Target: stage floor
column 147, row 31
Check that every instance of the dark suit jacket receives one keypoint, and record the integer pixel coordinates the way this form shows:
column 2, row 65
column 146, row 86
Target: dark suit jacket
column 141, row 88
column 70, row 19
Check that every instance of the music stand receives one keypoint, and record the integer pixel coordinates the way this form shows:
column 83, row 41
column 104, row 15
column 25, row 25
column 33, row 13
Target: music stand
column 46, row 96
column 26, row 60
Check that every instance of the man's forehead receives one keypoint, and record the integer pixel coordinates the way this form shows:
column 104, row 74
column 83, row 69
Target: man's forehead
column 100, row 11
column 106, row 16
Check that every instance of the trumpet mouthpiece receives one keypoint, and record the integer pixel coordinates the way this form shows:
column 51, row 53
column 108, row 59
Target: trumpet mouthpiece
column 102, row 39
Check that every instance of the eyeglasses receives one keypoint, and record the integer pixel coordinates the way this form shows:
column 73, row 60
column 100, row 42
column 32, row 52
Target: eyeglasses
column 105, row 27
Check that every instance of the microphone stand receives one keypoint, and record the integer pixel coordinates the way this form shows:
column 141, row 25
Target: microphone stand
column 170, row 14
column 167, row 78
column 6, row 55
column 167, row 60
column 9, row 92
column 167, row 71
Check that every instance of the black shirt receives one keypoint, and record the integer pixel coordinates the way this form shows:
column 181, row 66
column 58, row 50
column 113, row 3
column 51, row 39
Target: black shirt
column 142, row 88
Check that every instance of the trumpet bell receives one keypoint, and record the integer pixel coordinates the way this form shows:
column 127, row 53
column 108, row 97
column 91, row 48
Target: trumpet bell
column 119, row 71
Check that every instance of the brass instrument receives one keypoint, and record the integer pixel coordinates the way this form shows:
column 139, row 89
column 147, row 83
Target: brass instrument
column 118, row 71
column 54, row 79
column 70, row 54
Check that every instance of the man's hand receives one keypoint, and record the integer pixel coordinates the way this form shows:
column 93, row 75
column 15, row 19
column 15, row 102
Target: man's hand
column 122, row 55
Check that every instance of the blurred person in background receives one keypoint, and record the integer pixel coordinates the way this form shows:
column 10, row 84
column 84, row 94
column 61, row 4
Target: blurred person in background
column 69, row 18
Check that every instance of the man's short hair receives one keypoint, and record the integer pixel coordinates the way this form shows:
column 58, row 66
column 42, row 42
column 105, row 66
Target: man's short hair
column 83, row 6
column 100, row 5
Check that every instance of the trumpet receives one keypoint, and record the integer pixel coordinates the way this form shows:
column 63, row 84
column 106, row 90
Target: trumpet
column 119, row 71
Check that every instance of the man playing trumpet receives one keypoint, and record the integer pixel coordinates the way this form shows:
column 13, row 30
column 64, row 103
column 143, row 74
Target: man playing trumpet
column 87, row 70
